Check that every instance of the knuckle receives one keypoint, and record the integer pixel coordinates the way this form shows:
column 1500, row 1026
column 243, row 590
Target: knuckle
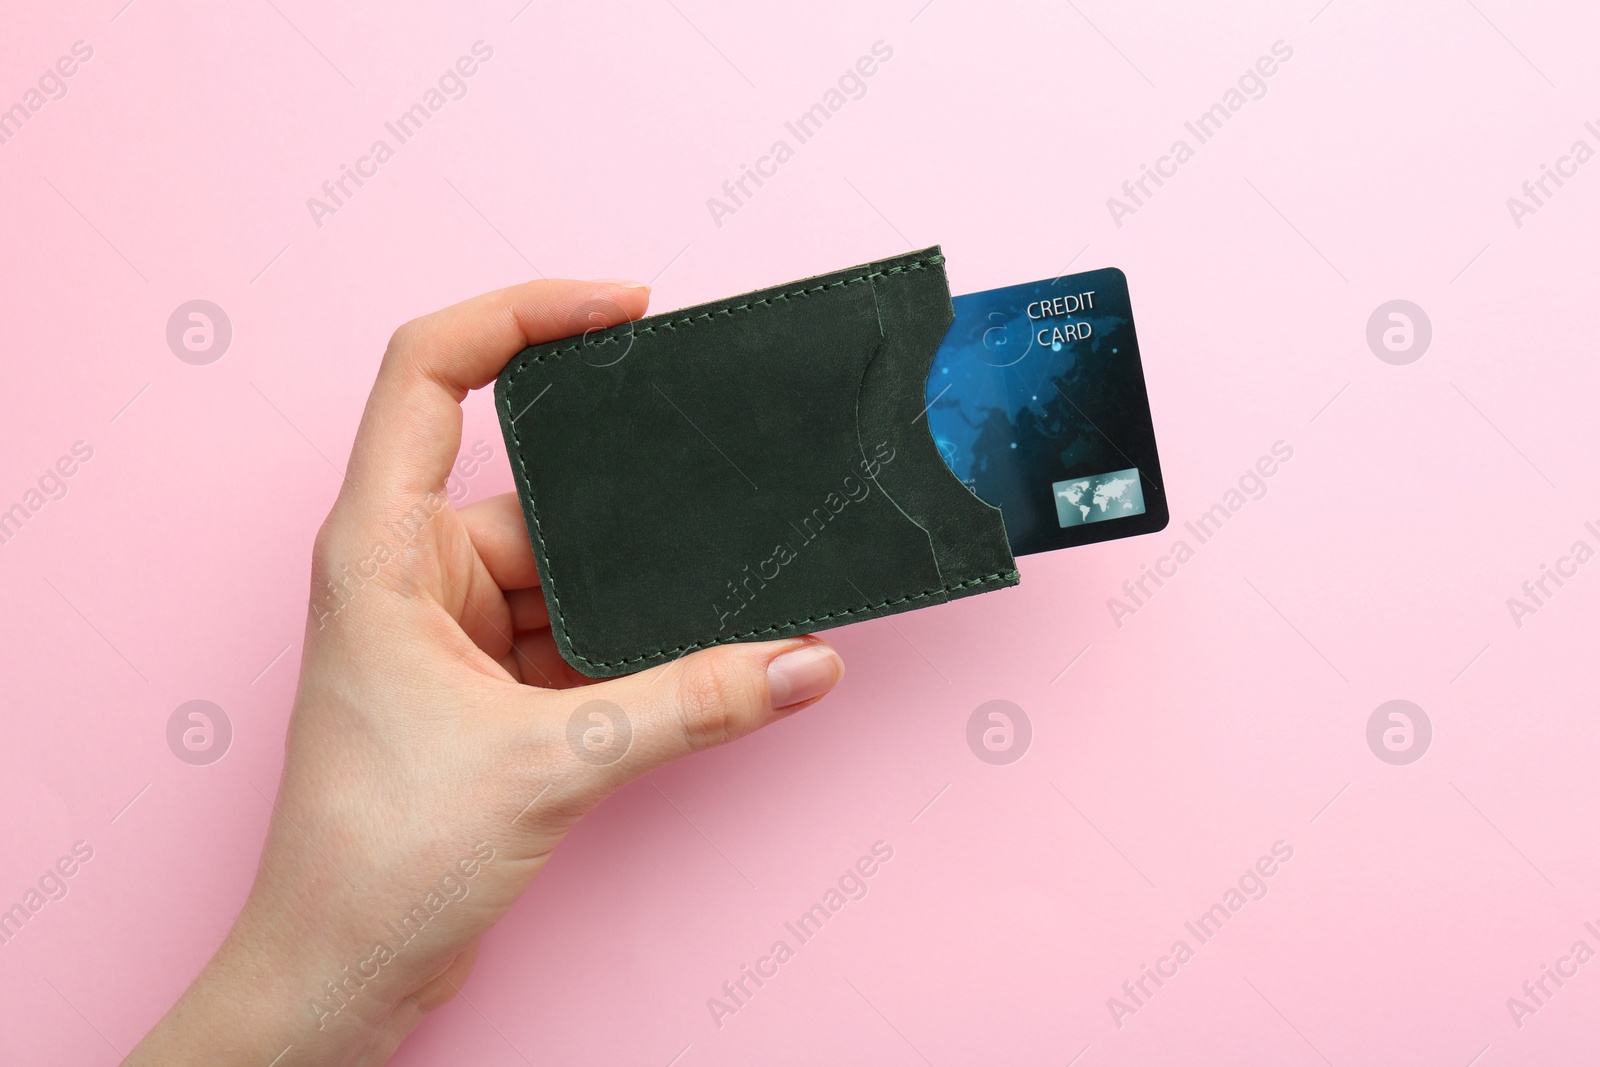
column 538, row 800
column 322, row 546
column 403, row 338
column 715, row 698
column 328, row 548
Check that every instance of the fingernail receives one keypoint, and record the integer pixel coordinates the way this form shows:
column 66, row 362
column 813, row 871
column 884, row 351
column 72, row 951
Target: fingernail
column 625, row 283
column 804, row 674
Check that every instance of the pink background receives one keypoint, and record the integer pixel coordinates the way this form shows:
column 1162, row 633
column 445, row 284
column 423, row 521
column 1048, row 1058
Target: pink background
column 1229, row 713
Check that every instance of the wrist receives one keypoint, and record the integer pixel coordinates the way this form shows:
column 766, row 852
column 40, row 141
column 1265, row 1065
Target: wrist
column 267, row 998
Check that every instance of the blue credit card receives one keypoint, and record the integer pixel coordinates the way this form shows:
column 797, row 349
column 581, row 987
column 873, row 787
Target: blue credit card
column 1037, row 402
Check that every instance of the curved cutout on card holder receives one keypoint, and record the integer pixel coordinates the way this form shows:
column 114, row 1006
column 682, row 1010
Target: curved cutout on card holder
column 752, row 469
column 962, row 529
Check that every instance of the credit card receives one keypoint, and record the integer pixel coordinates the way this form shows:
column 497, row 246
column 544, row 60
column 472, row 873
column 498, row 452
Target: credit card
column 1037, row 402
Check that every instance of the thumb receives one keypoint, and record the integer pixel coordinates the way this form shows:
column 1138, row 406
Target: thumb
column 627, row 726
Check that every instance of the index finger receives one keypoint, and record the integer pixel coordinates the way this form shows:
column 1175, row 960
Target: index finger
column 411, row 429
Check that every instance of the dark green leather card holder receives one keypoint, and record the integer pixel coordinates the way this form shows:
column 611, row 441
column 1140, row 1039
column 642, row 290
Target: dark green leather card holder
column 749, row 469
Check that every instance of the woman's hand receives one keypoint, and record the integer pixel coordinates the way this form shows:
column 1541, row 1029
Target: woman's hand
column 439, row 748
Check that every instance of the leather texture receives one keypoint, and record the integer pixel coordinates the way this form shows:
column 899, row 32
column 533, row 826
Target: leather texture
column 755, row 468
